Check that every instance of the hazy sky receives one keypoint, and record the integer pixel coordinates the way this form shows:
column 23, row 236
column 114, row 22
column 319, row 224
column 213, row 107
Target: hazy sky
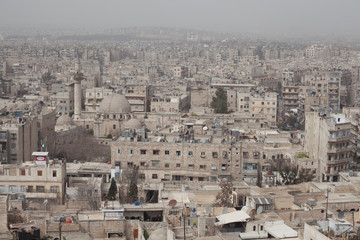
column 260, row 16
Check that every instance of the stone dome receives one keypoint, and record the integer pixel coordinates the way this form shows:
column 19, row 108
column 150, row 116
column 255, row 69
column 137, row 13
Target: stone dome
column 115, row 103
column 64, row 120
column 133, row 123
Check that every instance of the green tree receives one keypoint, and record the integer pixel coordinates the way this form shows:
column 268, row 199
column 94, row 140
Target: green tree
column 224, row 196
column 306, row 175
column 290, row 174
column 112, row 190
column 133, row 189
column 45, row 77
column 219, row 102
column 146, row 234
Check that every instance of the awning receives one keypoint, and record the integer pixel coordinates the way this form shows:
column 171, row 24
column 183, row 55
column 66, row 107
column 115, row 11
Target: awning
column 238, row 216
column 263, row 201
column 279, row 229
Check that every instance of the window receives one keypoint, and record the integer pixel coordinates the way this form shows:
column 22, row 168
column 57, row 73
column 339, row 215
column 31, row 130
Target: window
column 202, row 155
column 167, row 165
column 142, row 176
column 256, row 154
column 39, row 173
column 214, row 154
column 30, row 189
column 167, row 152
column 54, row 173
column 250, row 166
column 178, row 165
column 114, row 126
column 40, row 189
column 54, row 189
column 190, row 153
column 213, row 167
column 142, row 151
column 130, row 151
column 156, row 152
column 203, row 167
column 142, row 164
column 224, row 154
column 191, row 166
column 154, row 176
column 22, row 188
column 12, row 188
column 119, row 151
column 155, row 163
column 22, row 172
column 130, row 164
column 223, row 166
column 178, row 153
column 245, row 154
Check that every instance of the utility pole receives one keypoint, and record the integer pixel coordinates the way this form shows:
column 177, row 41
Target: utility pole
column 184, row 217
column 60, row 228
column 327, row 203
column 326, row 213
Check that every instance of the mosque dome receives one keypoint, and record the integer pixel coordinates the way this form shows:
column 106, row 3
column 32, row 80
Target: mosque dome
column 64, row 120
column 115, row 103
column 133, row 123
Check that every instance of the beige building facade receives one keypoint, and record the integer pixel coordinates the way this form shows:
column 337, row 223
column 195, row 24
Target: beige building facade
column 37, row 182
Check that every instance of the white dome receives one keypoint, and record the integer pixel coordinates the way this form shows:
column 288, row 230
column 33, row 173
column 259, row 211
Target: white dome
column 133, row 123
column 64, row 120
column 115, row 103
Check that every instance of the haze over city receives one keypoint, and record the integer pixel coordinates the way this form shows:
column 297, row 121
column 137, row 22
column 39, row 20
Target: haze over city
column 173, row 120
column 283, row 17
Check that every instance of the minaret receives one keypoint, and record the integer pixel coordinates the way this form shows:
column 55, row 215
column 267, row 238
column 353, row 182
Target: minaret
column 77, row 92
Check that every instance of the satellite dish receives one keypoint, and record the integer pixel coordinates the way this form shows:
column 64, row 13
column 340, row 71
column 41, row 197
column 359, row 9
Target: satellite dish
column 205, row 128
column 172, row 203
column 297, row 221
column 340, row 214
column 259, row 210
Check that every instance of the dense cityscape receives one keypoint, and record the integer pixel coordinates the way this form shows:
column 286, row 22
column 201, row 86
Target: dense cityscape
column 178, row 133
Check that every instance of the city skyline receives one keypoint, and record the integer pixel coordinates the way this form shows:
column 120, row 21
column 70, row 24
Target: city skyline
column 277, row 17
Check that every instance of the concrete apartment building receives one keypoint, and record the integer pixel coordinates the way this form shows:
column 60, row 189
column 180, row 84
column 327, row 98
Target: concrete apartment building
column 64, row 102
column 259, row 104
column 38, row 181
column 321, row 91
column 328, row 141
column 139, row 97
column 355, row 87
column 290, row 97
column 170, row 103
column 18, row 140
column 174, row 157
column 177, row 161
column 180, row 72
column 93, row 98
